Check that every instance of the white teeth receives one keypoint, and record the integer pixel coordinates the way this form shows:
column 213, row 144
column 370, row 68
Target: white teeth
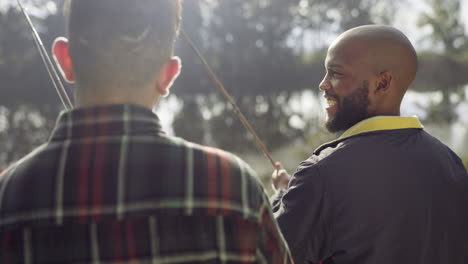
column 331, row 102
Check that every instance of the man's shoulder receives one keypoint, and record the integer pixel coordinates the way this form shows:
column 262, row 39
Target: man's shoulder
column 382, row 150
column 20, row 163
column 354, row 152
column 366, row 143
column 215, row 155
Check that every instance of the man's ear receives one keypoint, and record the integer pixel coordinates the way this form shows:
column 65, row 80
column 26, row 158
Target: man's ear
column 168, row 74
column 61, row 54
column 384, row 81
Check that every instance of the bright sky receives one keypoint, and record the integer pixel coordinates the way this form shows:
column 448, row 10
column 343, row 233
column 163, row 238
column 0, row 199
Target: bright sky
column 407, row 18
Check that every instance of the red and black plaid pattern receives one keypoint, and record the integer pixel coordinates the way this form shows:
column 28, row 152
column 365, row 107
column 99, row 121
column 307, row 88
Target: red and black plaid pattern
column 110, row 187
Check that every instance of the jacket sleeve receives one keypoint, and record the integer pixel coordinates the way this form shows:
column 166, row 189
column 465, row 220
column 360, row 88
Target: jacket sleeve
column 300, row 215
column 275, row 200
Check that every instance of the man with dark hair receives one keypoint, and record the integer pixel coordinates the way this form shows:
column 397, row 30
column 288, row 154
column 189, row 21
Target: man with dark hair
column 109, row 186
column 385, row 191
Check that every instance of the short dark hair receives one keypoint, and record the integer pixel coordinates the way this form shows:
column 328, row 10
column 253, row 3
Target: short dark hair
column 117, row 43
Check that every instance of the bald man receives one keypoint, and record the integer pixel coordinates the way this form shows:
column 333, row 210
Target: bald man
column 385, row 191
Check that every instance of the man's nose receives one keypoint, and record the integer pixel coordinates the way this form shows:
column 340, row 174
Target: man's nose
column 324, row 84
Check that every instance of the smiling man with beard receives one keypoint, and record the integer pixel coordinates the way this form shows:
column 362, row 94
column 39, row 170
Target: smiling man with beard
column 385, row 191
column 352, row 108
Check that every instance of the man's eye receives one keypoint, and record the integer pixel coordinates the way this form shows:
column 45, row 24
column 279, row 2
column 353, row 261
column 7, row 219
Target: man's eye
column 335, row 73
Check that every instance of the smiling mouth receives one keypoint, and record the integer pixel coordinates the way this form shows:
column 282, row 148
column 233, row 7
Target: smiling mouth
column 331, row 102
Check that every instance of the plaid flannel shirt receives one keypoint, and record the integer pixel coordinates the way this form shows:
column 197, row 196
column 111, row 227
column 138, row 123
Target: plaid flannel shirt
column 111, row 187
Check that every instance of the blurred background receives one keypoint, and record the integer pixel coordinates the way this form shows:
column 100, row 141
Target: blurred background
column 269, row 54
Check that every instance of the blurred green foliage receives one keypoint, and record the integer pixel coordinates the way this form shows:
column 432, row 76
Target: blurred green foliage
column 444, row 70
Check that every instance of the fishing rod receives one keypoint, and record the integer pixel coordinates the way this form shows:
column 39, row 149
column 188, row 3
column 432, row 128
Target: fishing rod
column 65, row 99
column 54, row 77
column 228, row 97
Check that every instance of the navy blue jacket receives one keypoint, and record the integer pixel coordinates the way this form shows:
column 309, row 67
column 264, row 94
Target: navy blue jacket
column 384, row 192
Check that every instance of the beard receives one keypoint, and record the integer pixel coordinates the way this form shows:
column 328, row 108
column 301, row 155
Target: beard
column 351, row 109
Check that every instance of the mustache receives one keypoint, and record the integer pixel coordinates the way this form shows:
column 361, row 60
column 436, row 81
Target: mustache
column 331, row 95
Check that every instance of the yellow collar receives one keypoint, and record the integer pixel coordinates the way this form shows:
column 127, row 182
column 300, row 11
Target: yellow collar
column 378, row 123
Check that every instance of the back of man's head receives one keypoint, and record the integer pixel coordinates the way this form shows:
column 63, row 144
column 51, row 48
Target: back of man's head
column 120, row 44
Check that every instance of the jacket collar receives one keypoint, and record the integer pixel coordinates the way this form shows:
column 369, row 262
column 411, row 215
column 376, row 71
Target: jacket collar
column 106, row 120
column 376, row 123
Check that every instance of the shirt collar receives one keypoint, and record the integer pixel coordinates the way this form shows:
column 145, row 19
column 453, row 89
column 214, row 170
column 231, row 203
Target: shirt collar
column 106, row 120
column 377, row 123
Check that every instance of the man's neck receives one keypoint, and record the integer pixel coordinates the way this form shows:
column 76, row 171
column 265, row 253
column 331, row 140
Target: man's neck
column 89, row 100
